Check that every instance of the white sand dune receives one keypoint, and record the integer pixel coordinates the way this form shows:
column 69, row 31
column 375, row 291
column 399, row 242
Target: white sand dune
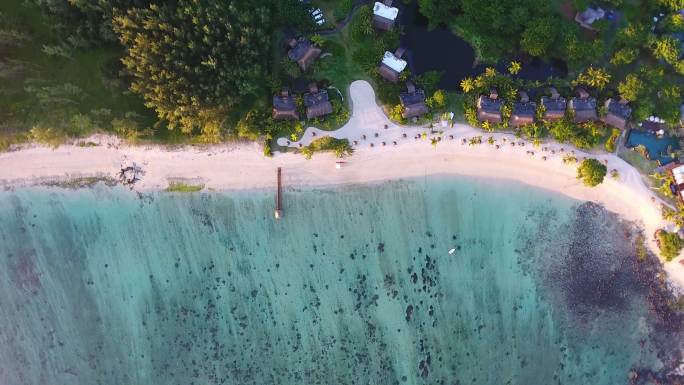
column 240, row 166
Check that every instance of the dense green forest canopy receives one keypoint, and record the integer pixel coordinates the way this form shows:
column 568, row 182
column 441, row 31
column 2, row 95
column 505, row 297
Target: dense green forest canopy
column 498, row 28
column 70, row 65
column 194, row 60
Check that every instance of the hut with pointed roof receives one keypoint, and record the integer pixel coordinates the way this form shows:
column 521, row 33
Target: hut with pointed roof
column 303, row 52
column 285, row 106
column 413, row 101
column 392, row 65
column 583, row 106
column 523, row 111
column 489, row 107
column 554, row 105
column 618, row 113
column 384, row 15
column 316, row 102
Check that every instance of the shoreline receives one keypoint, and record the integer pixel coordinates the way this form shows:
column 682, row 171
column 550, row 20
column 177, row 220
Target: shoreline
column 230, row 167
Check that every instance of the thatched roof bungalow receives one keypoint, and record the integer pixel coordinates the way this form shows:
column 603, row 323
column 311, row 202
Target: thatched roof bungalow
column 316, row 102
column 554, row 105
column 523, row 111
column 618, row 113
column 489, row 107
column 285, row 106
column 392, row 65
column 413, row 101
column 384, row 15
column 583, row 106
column 303, row 52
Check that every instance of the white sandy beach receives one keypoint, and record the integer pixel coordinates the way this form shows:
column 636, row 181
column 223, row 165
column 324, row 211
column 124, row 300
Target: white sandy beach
column 228, row 167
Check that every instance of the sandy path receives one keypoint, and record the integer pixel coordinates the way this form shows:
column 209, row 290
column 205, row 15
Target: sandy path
column 227, row 167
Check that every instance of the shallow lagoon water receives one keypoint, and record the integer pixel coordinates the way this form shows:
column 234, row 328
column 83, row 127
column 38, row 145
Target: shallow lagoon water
column 354, row 286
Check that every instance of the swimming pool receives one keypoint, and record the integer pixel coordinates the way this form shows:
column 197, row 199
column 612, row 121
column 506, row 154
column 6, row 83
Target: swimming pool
column 658, row 148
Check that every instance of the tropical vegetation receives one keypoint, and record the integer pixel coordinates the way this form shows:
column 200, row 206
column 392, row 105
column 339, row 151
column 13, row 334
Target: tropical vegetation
column 591, row 172
column 670, row 244
column 340, row 147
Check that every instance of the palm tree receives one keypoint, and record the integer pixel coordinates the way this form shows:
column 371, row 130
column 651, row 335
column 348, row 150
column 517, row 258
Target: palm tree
column 514, row 67
column 318, row 40
column 467, row 85
column 595, row 77
column 664, row 182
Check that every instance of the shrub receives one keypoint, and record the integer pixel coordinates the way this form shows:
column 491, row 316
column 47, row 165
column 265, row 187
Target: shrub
column 248, row 126
column 47, row 135
column 428, row 81
column 340, row 147
column 268, row 152
column 670, row 244
column 362, row 24
column 438, row 99
column 612, row 141
column 470, row 114
column 591, row 172
column 395, row 113
column 388, row 93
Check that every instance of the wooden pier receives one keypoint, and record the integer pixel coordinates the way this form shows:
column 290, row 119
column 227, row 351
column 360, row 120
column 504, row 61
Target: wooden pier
column 279, row 198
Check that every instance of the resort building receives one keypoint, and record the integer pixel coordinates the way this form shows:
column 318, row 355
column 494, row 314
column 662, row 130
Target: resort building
column 392, row 65
column 523, row 111
column 677, row 172
column 303, row 52
column 413, row 102
column 583, row 106
column 316, row 102
column 554, row 106
column 285, row 106
column 589, row 16
column 384, row 15
column 618, row 113
column 489, row 107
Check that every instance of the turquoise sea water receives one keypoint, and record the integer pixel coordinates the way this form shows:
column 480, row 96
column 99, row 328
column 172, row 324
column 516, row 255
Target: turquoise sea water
column 354, row 286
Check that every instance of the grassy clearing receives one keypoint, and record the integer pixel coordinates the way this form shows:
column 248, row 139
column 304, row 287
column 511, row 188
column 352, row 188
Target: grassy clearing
column 635, row 159
column 339, row 68
column 180, row 187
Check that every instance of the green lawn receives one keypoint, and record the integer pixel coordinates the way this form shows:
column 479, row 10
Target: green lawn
column 642, row 164
column 339, row 68
column 180, row 187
